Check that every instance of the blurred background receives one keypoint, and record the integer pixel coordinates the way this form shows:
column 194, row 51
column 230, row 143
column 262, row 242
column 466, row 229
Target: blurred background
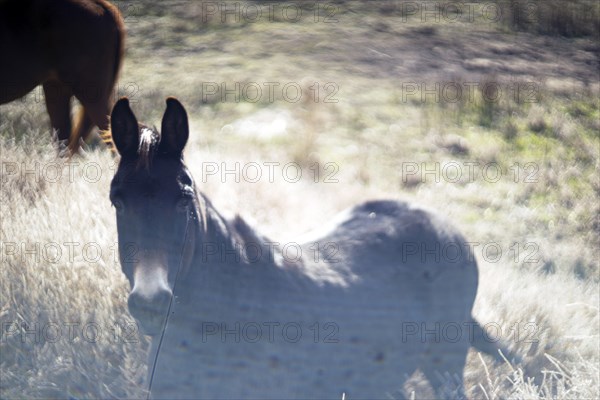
column 485, row 111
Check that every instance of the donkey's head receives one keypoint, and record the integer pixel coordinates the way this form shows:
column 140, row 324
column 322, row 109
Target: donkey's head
column 155, row 201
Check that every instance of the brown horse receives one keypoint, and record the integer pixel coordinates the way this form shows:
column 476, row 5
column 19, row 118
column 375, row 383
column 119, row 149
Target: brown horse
column 72, row 48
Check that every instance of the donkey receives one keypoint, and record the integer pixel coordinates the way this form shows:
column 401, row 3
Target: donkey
column 72, row 48
column 387, row 291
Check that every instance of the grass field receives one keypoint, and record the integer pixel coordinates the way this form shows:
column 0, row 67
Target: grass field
column 491, row 119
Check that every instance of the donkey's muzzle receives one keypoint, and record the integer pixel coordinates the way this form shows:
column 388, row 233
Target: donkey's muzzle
column 150, row 310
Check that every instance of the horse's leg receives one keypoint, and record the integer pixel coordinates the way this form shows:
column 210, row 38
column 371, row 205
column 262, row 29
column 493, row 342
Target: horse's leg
column 83, row 126
column 95, row 111
column 58, row 103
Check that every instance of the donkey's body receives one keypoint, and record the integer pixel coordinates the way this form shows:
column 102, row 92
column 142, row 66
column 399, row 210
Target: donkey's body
column 317, row 329
column 72, row 48
column 366, row 304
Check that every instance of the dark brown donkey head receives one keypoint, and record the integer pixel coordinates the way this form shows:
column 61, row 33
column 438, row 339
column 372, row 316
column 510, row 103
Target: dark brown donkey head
column 156, row 205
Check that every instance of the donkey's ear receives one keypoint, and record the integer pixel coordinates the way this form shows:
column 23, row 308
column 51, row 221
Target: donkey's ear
column 174, row 130
column 124, row 128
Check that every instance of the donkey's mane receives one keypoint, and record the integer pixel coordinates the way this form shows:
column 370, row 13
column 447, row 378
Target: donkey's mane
column 248, row 236
column 240, row 236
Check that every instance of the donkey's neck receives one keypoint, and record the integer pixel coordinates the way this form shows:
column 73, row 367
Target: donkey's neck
column 230, row 242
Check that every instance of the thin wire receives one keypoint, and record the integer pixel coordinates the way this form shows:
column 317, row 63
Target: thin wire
column 162, row 335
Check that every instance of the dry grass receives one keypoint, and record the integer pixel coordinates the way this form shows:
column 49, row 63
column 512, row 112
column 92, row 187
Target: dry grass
column 542, row 291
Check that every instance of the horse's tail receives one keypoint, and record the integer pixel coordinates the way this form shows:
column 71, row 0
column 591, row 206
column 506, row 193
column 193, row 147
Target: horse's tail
column 82, row 118
column 486, row 343
column 106, row 135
